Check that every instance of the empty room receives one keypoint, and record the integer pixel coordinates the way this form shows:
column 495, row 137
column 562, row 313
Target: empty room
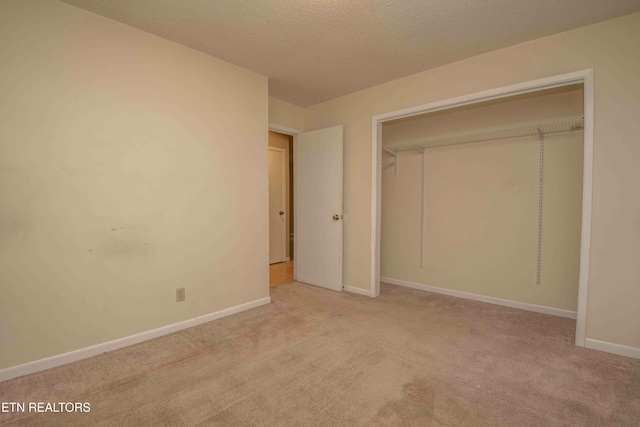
column 319, row 213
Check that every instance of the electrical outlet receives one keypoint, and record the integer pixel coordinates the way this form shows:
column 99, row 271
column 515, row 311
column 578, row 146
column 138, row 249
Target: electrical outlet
column 180, row 294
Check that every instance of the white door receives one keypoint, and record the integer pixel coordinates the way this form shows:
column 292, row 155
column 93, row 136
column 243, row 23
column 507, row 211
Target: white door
column 277, row 205
column 318, row 203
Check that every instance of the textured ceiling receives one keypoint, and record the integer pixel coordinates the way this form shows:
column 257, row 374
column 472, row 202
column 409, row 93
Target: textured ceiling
column 315, row 50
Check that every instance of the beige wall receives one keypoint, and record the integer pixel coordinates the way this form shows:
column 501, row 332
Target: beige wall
column 284, row 114
column 481, row 205
column 611, row 49
column 129, row 166
column 282, row 141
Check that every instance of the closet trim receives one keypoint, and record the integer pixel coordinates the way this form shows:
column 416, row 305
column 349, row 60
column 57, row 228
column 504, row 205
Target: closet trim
column 584, row 77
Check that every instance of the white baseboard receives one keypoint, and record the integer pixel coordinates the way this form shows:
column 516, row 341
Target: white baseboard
column 475, row 297
column 84, row 353
column 609, row 347
column 355, row 290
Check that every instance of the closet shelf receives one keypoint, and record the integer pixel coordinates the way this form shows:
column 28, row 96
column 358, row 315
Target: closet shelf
column 515, row 131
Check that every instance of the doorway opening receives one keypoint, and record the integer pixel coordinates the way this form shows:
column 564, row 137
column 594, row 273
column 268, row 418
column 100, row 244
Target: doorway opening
column 582, row 78
column 316, row 166
column 281, row 208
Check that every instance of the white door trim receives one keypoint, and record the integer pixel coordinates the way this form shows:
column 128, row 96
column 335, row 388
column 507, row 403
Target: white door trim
column 283, row 129
column 585, row 77
column 285, row 166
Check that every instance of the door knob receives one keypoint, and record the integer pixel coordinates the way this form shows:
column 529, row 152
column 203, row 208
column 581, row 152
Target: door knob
column 336, row 217
column 281, row 213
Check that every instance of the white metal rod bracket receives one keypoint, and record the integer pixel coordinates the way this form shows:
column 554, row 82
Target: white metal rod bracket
column 421, row 149
column 540, row 195
column 395, row 159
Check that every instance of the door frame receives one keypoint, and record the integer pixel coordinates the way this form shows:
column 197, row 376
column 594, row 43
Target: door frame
column 285, row 166
column 584, row 77
column 291, row 132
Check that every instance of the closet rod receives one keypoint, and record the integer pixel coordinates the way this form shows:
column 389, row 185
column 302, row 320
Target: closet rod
column 568, row 124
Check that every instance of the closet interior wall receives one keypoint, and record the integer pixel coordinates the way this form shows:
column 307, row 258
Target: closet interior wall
column 465, row 217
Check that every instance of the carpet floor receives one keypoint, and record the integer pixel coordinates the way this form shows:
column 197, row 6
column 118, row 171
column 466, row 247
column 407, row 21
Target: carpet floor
column 319, row 358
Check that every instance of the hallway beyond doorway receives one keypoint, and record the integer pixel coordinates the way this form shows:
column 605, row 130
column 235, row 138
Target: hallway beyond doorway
column 280, row 273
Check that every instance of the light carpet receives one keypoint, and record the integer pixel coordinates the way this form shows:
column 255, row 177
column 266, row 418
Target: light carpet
column 320, row 358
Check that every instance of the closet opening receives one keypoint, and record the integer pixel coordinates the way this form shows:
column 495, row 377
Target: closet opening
column 488, row 197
